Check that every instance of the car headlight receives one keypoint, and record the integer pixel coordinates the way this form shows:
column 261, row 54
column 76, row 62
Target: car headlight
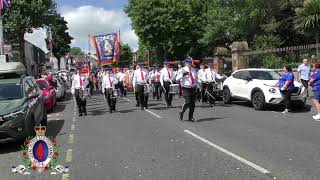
column 272, row 90
column 15, row 115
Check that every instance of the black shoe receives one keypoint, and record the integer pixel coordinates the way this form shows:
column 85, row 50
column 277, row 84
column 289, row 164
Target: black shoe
column 80, row 114
column 85, row 113
column 170, row 106
column 137, row 105
column 194, row 120
column 115, row 110
column 146, row 107
column 181, row 116
column 143, row 108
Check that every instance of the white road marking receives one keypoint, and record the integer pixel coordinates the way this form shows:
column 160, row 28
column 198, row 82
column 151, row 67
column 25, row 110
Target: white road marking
column 317, row 120
column 258, row 168
column 74, row 119
column 72, row 127
column 71, row 138
column 156, row 115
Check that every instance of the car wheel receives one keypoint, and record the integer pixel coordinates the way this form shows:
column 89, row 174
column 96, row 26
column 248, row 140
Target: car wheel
column 226, row 96
column 44, row 121
column 30, row 124
column 258, row 101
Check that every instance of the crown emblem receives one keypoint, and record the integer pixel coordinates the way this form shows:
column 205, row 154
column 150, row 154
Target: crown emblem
column 40, row 130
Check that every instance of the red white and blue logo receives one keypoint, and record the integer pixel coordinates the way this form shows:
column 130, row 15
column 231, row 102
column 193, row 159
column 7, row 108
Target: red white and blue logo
column 40, row 154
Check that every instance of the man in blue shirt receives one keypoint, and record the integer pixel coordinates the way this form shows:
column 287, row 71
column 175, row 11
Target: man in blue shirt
column 304, row 72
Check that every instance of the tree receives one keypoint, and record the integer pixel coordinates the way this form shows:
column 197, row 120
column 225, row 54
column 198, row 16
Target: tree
column 171, row 27
column 76, row 51
column 126, row 57
column 308, row 19
column 61, row 38
column 24, row 16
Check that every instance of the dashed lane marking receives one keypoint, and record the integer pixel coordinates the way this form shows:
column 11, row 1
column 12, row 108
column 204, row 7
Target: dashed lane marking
column 71, row 138
column 258, row 168
column 156, row 115
column 73, row 127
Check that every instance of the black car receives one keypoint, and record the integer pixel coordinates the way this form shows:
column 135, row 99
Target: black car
column 21, row 107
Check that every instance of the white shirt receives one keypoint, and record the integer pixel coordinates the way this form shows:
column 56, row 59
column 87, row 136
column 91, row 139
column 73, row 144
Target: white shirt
column 211, row 75
column 120, row 76
column 76, row 83
column 138, row 79
column 109, row 81
column 201, row 76
column 155, row 76
column 186, row 81
column 164, row 75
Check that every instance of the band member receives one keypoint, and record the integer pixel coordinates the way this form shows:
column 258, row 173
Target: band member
column 179, row 82
column 188, row 77
column 211, row 75
column 155, row 77
column 77, row 89
column 203, row 83
column 109, row 80
column 120, row 75
column 166, row 78
column 140, row 80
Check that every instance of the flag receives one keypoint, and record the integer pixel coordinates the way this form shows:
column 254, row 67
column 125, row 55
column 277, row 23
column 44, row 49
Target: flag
column 4, row 4
column 106, row 47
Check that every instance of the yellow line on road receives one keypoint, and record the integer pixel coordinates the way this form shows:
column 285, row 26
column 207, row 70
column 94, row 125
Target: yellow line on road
column 69, row 156
column 65, row 177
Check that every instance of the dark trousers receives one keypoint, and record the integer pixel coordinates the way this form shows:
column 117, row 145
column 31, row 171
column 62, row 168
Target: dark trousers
column 211, row 94
column 137, row 98
column 157, row 87
column 189, row 95
column 203, row 92
column 168, row 96
column 121, row 88
column 81, row 103
column 110, row 100
column 286, row 95
column 143, row 98
column 306, row 85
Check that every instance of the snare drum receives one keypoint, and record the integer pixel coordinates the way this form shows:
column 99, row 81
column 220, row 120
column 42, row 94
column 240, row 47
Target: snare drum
column 174, row 89
column 146, row 88
column 113, row 93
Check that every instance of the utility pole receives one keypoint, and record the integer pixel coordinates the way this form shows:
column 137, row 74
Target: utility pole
column 1, row 35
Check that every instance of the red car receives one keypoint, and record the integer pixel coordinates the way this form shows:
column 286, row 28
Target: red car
column 48, row 92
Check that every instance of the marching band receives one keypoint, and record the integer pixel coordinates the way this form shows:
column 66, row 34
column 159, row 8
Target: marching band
column 187, row 82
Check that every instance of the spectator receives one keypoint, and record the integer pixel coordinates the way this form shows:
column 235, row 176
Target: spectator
column 286, row 87
column 315, row 84
column 304, row 72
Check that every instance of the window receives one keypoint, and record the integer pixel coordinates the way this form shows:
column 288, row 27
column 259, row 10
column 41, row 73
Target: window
column 237, row 75
column 245, row 75
column 265, row 75
column 10, row 91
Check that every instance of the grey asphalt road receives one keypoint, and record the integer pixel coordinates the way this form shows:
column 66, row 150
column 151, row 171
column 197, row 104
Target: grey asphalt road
column 229, row 142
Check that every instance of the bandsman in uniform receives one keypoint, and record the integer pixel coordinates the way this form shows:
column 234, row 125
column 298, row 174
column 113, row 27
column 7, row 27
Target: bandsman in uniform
column 211, row 75
column 166, row 79
column 77, row 89
column 203, row 83
column 120, row 76
column 140, row 81
column 189, row 79
column 109, row 81
column 155, row 77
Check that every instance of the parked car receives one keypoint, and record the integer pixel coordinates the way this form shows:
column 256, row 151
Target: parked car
column 259, row 87
column 21, row 103
column 60, row 89
column 48, row 92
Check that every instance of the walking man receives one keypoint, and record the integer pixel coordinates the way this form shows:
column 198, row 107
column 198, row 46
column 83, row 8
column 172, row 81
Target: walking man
column 203, row 83
column 166, row 78
column 155, row 78
column 140, row 80
column 120, row 75
column 109, row 80
column 77, row 89
column 211, row 75
column 304, row 72
column 188, row 77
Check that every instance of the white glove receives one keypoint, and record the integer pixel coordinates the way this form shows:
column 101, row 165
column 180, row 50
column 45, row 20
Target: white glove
column 283, row 88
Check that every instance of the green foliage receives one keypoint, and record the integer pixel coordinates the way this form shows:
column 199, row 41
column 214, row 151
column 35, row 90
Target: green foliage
column 125, row 56
column 61, row 38
column 76, row 51
column 24, row 16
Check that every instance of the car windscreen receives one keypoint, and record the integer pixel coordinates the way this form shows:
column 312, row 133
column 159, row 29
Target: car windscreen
column 10, row 91
column 265, row 75
column 43, row 85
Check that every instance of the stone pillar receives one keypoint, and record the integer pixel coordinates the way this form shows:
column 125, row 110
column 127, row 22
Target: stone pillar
column 238, row 60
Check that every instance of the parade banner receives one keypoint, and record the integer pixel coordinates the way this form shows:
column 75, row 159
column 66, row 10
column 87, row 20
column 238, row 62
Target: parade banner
column 107, row 48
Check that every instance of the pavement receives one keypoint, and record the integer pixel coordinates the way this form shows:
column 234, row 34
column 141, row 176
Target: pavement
column 229, row 142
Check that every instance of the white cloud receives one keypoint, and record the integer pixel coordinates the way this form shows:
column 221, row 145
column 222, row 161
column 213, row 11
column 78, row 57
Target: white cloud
column 85, row 20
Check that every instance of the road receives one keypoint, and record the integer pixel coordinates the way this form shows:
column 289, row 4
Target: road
column 229, row 142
